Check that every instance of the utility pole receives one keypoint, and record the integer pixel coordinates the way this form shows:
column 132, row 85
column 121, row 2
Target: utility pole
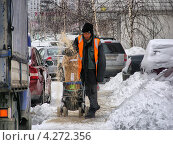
column 95, row 18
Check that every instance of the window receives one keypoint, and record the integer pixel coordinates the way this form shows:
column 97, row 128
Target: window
column 112, row 48
column 52, row 51
column 42, row 52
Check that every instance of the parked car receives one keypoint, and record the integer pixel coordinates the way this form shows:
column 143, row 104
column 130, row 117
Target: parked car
column 40, row 80
column 115, row 56
column 56, row 55
column 133, row 65
column 159, row 58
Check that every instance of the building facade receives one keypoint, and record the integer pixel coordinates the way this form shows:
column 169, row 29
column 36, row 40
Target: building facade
column 33, row 8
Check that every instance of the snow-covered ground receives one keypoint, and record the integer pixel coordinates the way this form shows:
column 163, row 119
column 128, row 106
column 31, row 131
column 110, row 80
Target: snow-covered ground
column 140, row 102
column 144, row 101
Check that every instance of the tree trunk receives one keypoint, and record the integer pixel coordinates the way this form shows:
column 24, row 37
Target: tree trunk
column 131, row 23
column 95, row 18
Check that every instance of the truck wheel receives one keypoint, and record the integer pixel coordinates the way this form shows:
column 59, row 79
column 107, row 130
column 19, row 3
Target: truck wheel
column 26, row 124
column 65, row 111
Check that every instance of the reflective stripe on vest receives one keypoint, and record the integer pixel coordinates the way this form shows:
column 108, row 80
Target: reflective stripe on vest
column 80, row 46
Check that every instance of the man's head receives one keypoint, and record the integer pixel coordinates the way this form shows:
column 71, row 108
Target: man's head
column 87, row 31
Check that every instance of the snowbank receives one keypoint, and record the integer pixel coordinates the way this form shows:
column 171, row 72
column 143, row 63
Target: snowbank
column 42, row 112
column 135, row 51
column 159, row 54
column 144, row 103
column 113, row 83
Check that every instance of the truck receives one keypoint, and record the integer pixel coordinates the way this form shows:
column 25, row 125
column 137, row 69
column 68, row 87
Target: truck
column 15, row 99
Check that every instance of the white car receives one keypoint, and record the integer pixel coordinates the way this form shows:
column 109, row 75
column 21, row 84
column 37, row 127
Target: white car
column 115, row 56
column 159, row 58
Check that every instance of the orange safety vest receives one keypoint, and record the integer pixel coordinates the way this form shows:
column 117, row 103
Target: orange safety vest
column 80, row 46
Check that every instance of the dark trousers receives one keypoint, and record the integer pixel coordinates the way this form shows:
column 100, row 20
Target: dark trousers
column 91, row 89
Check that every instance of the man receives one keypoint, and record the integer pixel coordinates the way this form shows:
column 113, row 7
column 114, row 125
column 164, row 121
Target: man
column 91, row 63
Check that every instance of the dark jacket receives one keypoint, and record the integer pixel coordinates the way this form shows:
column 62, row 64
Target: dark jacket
column 88, row 74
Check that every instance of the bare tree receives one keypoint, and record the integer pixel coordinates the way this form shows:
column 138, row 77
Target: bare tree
column 143, row 20
column 136, row 21
column 95, row 18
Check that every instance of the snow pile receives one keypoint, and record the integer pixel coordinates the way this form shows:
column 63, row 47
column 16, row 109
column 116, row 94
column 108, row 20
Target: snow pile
column 124, row 89
column 113, row 83
column 135, row 51
column 148, row 104
column 42, row 112
column 159, row 54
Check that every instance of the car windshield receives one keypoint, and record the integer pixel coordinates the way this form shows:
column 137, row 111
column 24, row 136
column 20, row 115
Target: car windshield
column 112, row 48
column 54, row 51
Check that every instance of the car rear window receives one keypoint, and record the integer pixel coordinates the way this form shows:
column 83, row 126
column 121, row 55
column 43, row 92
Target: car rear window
column 54, row 51
column 110, row 48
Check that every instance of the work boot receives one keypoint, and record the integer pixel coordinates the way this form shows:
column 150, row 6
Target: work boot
column 97, row 108
column 90, row 114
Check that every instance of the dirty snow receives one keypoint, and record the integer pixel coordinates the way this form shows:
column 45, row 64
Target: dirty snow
column 147, row 104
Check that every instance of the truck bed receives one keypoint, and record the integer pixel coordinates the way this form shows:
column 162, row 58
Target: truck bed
column 13, row 56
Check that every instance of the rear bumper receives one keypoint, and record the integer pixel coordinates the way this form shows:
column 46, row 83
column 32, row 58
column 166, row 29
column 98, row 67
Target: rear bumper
column 36, row 89
column 110, row 72
column 7, row 124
